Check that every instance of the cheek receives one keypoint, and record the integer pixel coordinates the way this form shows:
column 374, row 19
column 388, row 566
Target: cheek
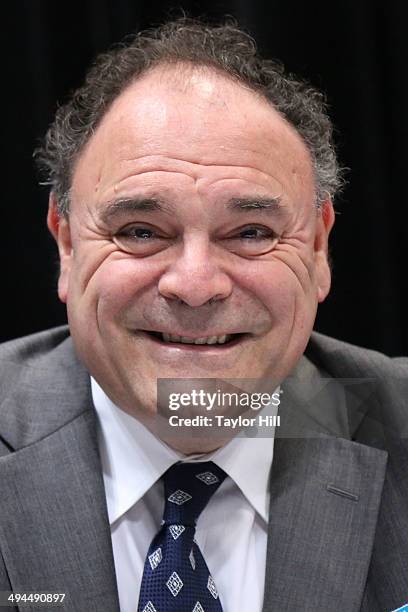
column 276, row 285
column 119, row 284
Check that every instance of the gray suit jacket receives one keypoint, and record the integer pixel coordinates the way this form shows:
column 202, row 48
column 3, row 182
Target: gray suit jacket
column 338, row 532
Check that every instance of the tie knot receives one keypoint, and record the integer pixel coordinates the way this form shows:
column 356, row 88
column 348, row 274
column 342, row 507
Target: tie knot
column 188, row 488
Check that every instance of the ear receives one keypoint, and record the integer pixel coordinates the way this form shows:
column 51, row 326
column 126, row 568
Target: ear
column 324, row 224
column 61, row 231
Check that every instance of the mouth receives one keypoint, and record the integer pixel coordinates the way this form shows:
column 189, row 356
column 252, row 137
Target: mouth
column 218, row 342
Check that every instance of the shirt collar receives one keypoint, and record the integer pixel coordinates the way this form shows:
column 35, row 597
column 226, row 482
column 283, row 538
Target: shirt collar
column 133, row 459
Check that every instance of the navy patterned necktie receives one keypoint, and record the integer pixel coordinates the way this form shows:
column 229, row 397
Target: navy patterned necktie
column 176, row 577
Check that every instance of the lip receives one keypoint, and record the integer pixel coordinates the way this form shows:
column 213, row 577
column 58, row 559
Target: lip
column 216, row 349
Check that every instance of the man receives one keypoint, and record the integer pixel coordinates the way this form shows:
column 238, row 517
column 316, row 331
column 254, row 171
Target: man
column 191, row 201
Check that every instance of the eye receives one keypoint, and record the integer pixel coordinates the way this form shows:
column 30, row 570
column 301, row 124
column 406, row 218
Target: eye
column 140, row 233
column 252, row 240
column 140, row 239
column 255, row 233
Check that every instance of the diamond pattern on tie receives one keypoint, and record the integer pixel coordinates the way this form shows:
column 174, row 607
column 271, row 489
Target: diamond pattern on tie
column 149, row 607
column 211, row 587
column 155, row 558
column 176, row 530
column 175, row 584
column 176, row 577
column 208, row 478
column 179, row 497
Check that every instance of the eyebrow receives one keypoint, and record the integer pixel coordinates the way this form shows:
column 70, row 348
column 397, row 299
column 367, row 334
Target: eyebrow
column 128, row 205
column 268, row 205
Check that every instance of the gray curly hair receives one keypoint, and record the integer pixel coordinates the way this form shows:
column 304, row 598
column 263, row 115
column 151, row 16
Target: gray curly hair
column 223, row 47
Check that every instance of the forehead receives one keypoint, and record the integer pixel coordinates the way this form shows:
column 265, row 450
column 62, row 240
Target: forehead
column 192, row 115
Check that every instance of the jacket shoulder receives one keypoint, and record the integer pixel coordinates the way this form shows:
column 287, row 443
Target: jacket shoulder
column 375, row 389
column 42, row 386
column 28, row 349
column 342, row 359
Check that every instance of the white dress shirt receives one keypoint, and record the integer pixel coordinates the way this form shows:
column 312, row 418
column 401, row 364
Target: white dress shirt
column 231, row 531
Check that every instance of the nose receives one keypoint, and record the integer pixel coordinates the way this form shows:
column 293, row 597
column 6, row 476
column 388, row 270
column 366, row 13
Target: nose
column 195, row 276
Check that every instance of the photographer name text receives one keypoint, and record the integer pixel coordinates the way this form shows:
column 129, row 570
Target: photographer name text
column 223, row 421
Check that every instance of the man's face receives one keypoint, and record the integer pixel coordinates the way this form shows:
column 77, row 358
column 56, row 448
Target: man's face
column 192, row 214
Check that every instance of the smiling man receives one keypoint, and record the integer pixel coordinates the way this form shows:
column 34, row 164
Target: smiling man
column 201, row 225
column 191, row 202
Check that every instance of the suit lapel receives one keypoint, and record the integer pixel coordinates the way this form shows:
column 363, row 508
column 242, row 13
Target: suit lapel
column 54, row 532
column 325, row 496
column 320, row 539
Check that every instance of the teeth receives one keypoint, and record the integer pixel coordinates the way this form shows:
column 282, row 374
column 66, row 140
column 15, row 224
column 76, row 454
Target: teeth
column 204, row 340
column 200, row 341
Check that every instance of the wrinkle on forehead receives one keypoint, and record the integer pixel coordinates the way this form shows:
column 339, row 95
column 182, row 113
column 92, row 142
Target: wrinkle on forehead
column 193, row 117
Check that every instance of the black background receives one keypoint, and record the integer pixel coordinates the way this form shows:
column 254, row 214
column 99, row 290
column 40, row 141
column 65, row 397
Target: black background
column 355, row 50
